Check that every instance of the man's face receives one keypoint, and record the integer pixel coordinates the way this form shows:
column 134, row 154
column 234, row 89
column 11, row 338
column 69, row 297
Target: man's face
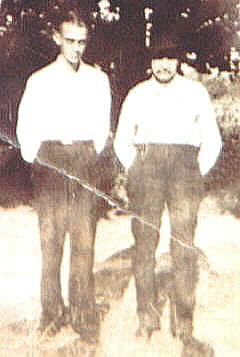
column 72, row 40
column 164, row 69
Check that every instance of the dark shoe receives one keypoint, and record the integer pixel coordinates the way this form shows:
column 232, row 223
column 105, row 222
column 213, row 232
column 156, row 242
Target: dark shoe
column 89, row 335
column 144, row 333
column 85, row 323
column 185, row 329
column 51, row 327
column 148, row 323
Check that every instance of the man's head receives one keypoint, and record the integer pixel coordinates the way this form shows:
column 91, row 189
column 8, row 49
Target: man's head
column 71, row 37
column 165, row 59
column 164, row 68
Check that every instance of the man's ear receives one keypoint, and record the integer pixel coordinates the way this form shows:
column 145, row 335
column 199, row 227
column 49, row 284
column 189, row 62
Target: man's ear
column 57, row 37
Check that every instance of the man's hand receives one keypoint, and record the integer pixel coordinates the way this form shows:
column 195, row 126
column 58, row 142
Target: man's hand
column 119, row 192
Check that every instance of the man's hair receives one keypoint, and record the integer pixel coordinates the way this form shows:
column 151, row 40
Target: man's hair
column 72, row 16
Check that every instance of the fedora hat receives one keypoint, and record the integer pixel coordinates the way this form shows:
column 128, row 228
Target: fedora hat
column 167, row 45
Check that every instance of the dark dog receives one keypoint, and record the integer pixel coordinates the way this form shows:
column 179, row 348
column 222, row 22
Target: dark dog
column 112, row 279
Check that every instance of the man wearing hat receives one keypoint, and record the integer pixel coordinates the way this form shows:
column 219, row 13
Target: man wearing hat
column 167, row 139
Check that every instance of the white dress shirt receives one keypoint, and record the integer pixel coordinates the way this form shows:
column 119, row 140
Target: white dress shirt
column 62, row 104
column 177, row 113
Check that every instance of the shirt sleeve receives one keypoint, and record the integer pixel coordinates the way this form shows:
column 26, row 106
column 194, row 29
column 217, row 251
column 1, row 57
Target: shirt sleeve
column 103, row 112
column 211, row 142
column 127, row 126
column 28, row 132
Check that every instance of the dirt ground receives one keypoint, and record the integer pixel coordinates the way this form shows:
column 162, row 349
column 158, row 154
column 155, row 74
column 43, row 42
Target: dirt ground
column 217, row 313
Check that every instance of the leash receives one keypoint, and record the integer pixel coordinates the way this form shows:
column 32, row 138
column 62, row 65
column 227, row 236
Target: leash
column 111, row 201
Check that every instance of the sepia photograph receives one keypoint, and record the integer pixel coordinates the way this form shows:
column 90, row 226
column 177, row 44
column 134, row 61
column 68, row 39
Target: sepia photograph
column 119, row 178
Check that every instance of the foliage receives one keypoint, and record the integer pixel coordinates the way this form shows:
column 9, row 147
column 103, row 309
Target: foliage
column 226, row 98
column 206, row 27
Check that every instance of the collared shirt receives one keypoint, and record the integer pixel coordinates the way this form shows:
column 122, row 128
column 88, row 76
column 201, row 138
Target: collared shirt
column 62, row 104
column 177, row 113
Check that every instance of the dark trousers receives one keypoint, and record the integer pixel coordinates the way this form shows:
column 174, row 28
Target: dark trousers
column 63, row 205
column 166, row 175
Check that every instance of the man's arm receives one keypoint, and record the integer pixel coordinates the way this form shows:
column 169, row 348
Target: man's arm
column 103, row 113
column 28, row 133
column 211, row 142
column 126, row 130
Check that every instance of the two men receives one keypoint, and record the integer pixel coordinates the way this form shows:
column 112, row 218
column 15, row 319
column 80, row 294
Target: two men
column 167, row 139
column 63, row 125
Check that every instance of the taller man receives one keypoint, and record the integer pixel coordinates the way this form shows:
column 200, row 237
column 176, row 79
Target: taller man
column 64, row 122
column 167, row 139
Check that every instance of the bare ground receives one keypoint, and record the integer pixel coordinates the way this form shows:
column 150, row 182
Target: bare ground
column 217, row 314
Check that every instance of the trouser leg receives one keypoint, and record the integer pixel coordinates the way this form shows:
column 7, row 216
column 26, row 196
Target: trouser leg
column 50, row 192
column 146, row 240
column 185, row 275
column 183, row 217
column 83, row 314
column 52, row 234
column 146, row 198
column 52, row 240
